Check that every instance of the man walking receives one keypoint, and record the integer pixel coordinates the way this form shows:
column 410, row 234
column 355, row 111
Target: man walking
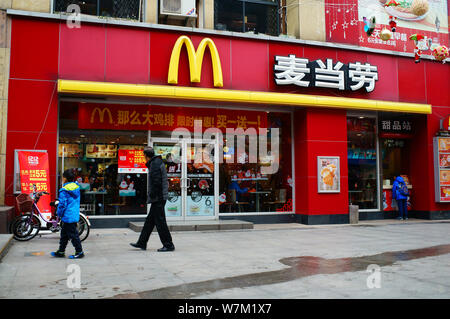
column 158, row 189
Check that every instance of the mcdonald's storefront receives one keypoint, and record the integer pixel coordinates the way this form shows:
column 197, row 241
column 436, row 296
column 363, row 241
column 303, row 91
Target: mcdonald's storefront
column 339, row 123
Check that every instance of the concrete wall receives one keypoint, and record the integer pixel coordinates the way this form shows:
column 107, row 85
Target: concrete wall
column 4, row 75
column 151, row 11
column 306, row 19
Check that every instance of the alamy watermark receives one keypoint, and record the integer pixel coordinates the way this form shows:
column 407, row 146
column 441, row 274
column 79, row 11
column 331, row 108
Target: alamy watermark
column 74, row 16
column 374, row 279
column 74, row 277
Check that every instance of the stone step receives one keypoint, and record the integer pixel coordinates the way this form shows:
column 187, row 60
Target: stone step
column 6, row 241
column 199, row 225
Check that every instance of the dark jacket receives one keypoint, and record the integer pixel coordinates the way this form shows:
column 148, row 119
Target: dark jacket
column 69, row 203
column 158, row 184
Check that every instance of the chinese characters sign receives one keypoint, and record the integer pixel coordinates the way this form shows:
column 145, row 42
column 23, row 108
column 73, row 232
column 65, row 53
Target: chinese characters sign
column 132, row 161
column 157, row 118
column 34, row 169
column 290, row 70
column 395, row 128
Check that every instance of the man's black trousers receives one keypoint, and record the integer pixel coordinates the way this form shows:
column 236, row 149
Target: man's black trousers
column 69, row 232
column 156, row 217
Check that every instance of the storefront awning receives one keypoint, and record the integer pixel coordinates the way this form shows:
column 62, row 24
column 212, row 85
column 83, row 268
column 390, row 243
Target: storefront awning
column 234, row 96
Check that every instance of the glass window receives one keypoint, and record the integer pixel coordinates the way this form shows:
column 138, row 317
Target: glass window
column 362, row 162
column 395, row 156
column 243, row 186
column 125, row 9
column 247, row 16
column 94, row 156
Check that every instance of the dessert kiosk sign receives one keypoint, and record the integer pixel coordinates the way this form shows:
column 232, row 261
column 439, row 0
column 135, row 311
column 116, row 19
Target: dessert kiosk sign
column 441, row 147
column 328, row 174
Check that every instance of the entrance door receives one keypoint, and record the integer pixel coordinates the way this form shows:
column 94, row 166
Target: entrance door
column 192, row 170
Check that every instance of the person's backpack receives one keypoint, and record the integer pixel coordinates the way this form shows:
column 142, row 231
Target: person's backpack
column 403, row 189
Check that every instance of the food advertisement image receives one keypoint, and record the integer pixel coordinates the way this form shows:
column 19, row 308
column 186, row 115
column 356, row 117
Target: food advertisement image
column 328, row 174
column 444, row 177
column 444, row 160
column 445, row 193
column 444, row 145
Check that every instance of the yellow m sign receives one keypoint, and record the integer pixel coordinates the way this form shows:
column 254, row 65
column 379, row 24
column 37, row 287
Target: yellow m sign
column 101, row 114
column 195, row 60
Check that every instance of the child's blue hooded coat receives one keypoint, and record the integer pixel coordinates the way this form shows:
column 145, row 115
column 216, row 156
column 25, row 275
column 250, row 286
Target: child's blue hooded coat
column 397, row 184
column 69, row 203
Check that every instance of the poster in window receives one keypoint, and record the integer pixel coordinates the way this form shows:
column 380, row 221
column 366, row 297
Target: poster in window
column 328, row 174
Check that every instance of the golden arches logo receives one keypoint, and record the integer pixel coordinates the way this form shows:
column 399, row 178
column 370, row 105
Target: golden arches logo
column 195, row 60
column 101, row 114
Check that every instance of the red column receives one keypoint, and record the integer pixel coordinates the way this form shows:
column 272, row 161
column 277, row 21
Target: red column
column 320, row 132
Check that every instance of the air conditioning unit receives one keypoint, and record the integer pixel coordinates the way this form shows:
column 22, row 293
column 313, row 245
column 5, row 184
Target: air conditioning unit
column 180, row 8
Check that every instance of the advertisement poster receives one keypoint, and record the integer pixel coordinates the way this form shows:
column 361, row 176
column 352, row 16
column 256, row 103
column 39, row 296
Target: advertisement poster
column 442, row 168
column 344, row 21
column 34, row 169
column 132, row 161
column 200, row 205
column 173, row 204
column 433, row 23
column 328, row 173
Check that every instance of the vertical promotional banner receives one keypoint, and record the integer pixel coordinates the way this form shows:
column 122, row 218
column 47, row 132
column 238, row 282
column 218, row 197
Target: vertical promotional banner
column 34, row 169
column 442, row 168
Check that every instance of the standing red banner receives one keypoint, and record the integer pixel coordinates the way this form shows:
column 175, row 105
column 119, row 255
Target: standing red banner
column 34, row 169
column 132, row 161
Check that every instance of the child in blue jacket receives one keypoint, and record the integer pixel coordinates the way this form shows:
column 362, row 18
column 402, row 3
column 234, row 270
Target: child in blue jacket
column 69, row 212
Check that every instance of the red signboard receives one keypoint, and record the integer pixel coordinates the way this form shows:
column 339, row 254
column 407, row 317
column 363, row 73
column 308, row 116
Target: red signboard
column 132, row 161
column 34, row 170
column 158, row 118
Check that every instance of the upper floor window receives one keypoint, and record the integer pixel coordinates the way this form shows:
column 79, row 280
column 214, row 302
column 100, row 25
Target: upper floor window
column 124, row 9
column 251, row 16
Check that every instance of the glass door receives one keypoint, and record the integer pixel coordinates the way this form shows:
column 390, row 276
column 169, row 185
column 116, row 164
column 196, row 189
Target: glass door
column 202, row 186
column 192, row 173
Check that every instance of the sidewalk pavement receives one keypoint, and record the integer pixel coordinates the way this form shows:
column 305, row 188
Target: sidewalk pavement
column 269, row 261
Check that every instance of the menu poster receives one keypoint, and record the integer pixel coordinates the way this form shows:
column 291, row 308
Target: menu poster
column 328, row 174
column 101, row 151
column 442, row 168
column 70, row 150
column 132, row 161
column 34, row 170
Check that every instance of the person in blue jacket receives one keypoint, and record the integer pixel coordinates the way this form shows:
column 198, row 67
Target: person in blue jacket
column 237, row 187
column 69, row 212
column 400, row 194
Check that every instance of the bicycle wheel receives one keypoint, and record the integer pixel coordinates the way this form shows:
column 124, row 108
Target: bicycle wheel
column 26, row 227
column 83, row 228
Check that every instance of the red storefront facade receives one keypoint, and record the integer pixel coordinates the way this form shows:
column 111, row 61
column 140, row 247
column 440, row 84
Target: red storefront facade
column 45, row 50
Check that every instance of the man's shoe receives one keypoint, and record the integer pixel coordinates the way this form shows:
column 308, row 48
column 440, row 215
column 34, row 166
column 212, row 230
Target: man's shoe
column 166, row 249
column 399, row 218
column 77, row 255
column 57, row 254
column 406, row 218
column 138, row 246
